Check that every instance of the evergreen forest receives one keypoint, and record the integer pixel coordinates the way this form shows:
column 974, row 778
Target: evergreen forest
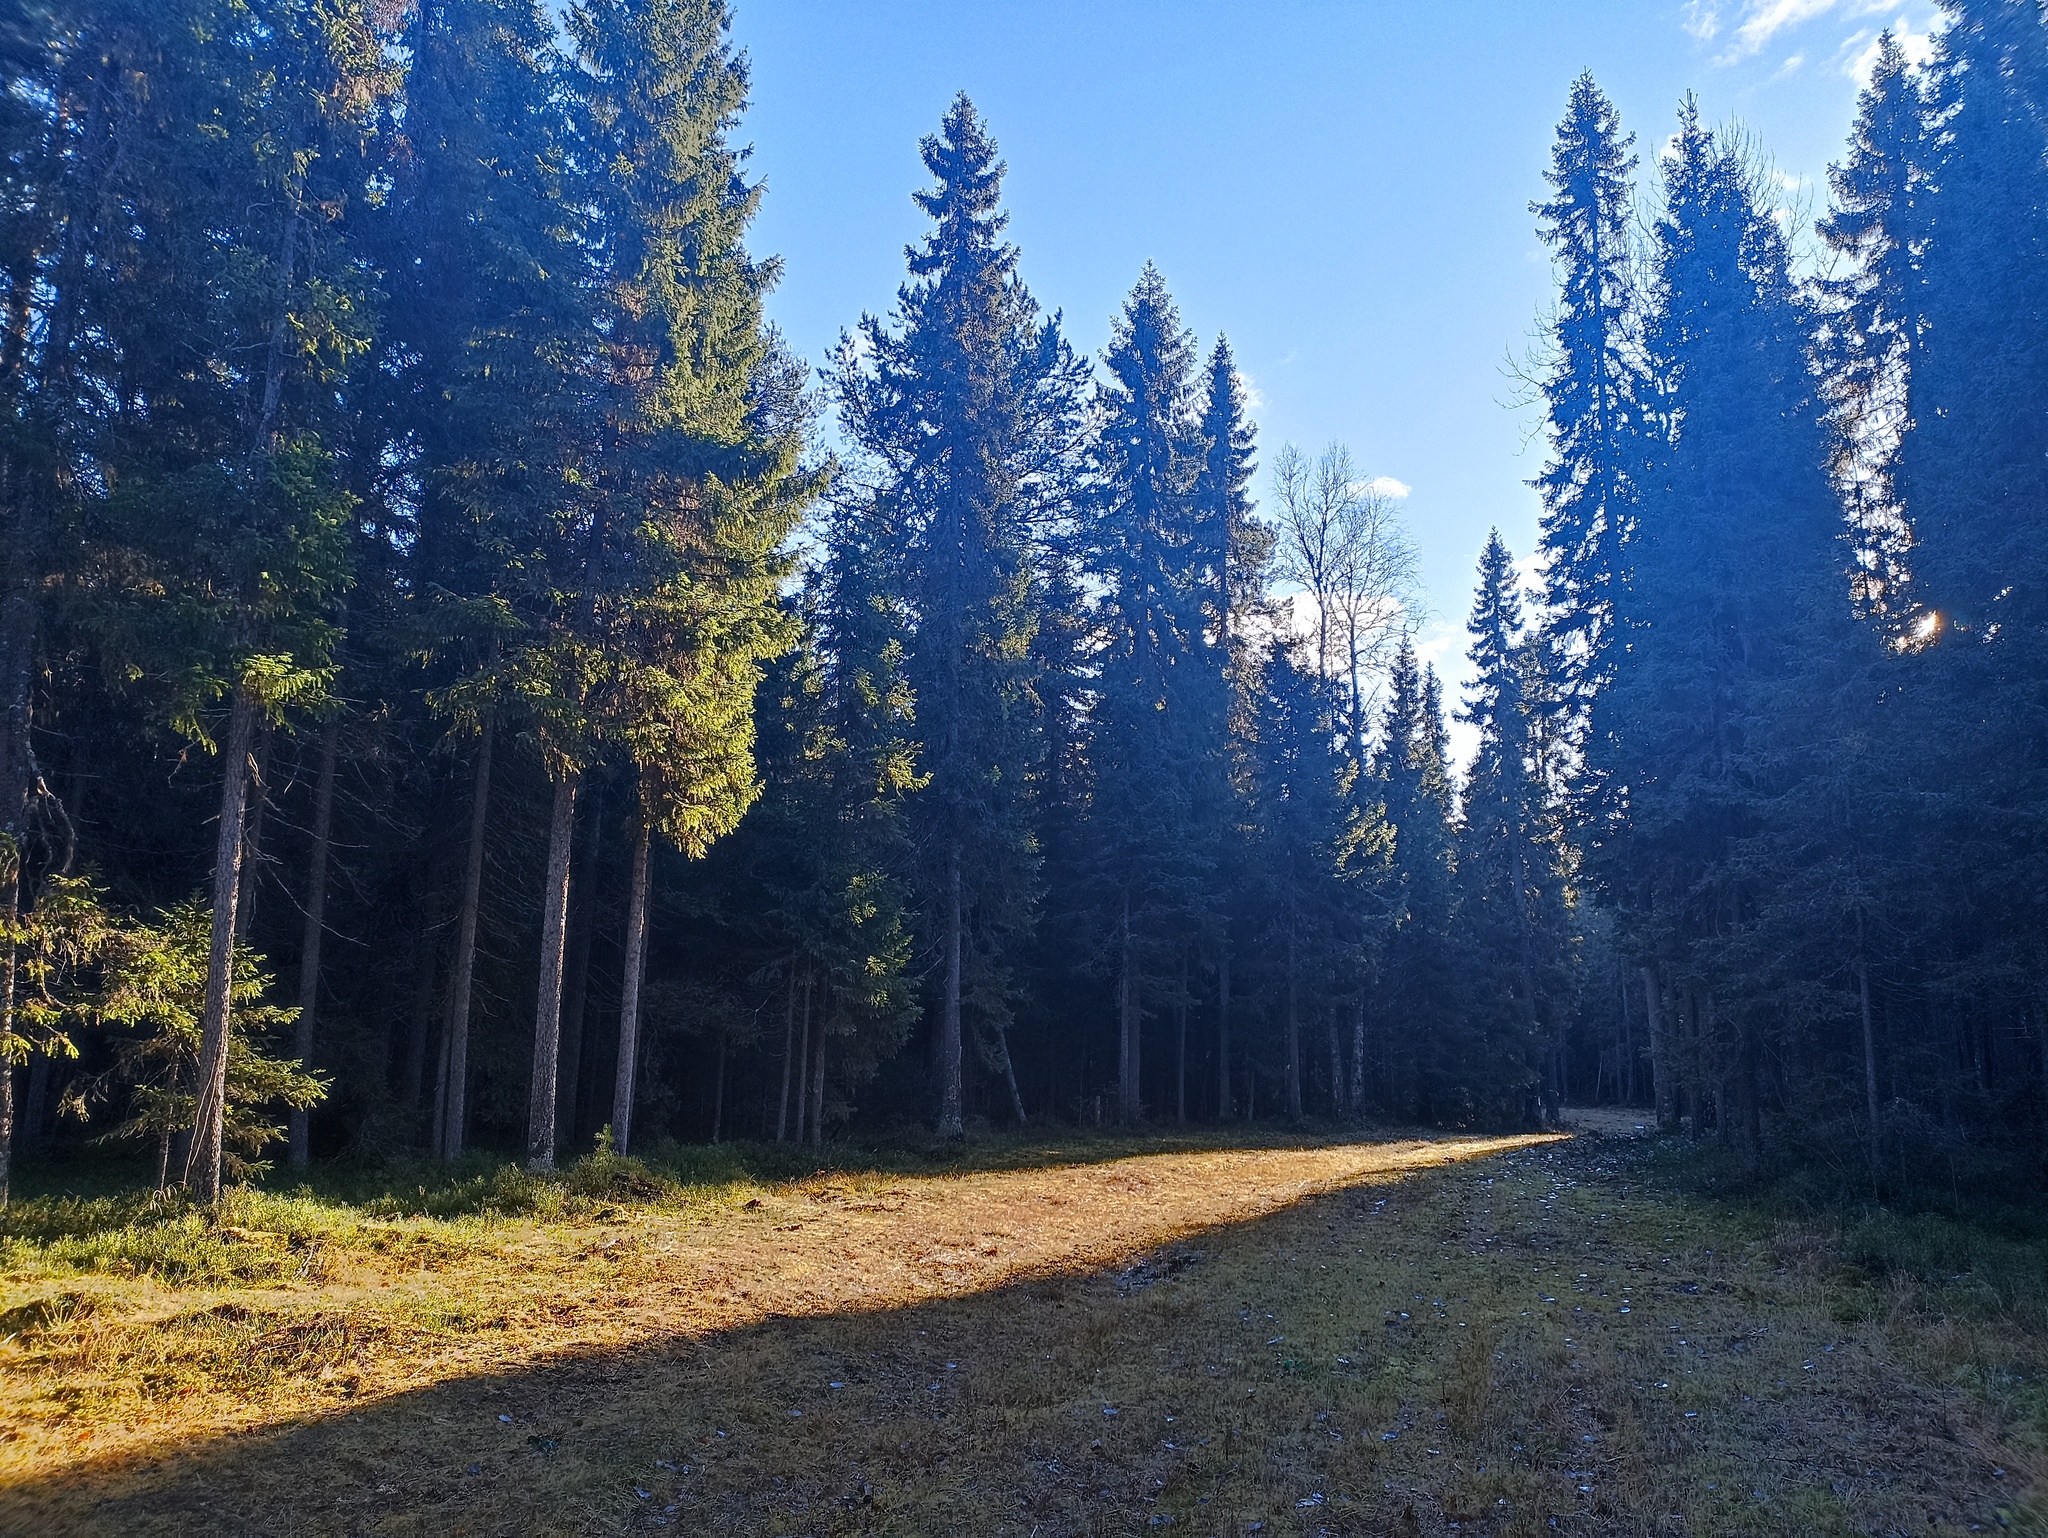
column 469, row 686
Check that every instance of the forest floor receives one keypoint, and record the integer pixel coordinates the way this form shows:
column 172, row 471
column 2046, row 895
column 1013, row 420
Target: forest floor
column 1507, row 1335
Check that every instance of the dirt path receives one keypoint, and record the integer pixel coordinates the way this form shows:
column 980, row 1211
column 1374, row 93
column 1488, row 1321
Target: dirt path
column 1510, row 1336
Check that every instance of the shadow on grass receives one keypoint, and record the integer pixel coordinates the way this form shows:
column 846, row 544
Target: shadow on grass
column 1263, row 1372
column 1034, row 1405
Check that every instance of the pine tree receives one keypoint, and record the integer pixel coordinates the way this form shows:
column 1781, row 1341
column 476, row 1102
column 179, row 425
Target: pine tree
column 1736, row 596
column 1234, row 552
column 1591, row 389
column 1507, row 856
column 1155, row 738
column 1420, row 994
column 962, row 407
column 1874, row 314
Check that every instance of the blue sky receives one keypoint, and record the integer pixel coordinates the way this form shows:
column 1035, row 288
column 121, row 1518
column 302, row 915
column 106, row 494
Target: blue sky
column 1339, row 185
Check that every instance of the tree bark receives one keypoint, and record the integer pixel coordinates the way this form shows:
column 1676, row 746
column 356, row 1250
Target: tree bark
column 1223, row 1034
column 1336, row 1046
column 300, row 1150
column 803, row 1067
column 1869, row 1049
column 1293, row 1031
column 788, row 1056
column 1130, row 1104
column 454, row 1119
column 202, row 1163
column 818, row 1080
column 1010, row 1078
column 1661, row 1088
column 951, row 1123
column 547, row 1013
column 252, row 839
column 718, row 1092
column 1358, row 1054
column 10, row 906
column 629, row 988
column 576, row 974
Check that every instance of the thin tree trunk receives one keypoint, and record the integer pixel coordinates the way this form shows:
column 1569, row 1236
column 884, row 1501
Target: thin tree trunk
column 1223, row 1034
column 35, row 1113
column 788, row 1056
column 202, row 1163
column 414, row 1083
column 1869, row 1047
column 629, row 988
column 803, row 1067
column 316, row 931
column 1358, row 1054
column 1130, row 1105
column 576, row 983
column 547, row 1013
column 718, row 1092
column 1336, row 1045
column 455, row 1118
column 1180, row 1062
column 1010, row 1077
column 1661, row 1095
column 1293, row 1031
column 252, row 839
column 951, row 1123
column 10, row 905
column 818, row 1081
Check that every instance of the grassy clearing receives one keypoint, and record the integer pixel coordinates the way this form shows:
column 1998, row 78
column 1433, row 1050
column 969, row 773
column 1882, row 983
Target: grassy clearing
column 1495, row 1336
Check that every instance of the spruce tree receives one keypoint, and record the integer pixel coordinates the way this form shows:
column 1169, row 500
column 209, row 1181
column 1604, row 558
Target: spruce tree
column 1508, row 860
column 1155, row 738
column 1591, row 388
column 960, row 407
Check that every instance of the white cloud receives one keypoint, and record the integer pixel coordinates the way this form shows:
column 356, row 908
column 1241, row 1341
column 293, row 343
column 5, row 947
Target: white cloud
column 1254, row 397
column 1387, row 486
column 1762, row 21
column 1858, row 56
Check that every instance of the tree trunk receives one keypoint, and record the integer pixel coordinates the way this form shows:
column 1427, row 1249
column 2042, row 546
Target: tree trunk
column 950, row 1118
column 547, row 1013
column 316, row 931
column 788, row 1056
column 1661, row 1089
column 10, row 906
column 1180, row 1060
column 1358, row 1054
column 454, row 1121
column 1129, row 1103
column 202, row 1163
column 1293, row 1031
column 252, row 839
column 1335, row 1043
column 413, row 1086
column 718, row 1093
column 576, row 975
column 1869, row 1049
column 803, row 1067
column 629, row 987
column 1010, row 1077
column 818, row 1080
column 1223, row 1034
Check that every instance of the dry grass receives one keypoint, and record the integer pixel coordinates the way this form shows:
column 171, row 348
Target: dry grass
column 1481, row 1335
